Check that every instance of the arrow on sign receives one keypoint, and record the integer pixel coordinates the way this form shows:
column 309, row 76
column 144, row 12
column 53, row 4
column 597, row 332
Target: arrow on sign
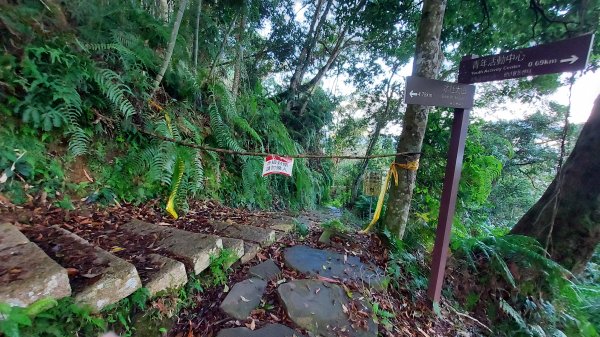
column 413, row 94
column 571, row 59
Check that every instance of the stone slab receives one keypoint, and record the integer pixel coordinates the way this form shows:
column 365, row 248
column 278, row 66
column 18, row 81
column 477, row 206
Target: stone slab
column 116, row 281
column 286, row 228
column 262, row 236
column 10, row 236
column 269, row 330
column 243, row 298
column 250, row 251
column 27, row 274
column 170, row 275
column 236, row 246
column 193, row 249
column 318, row 307
column 331, row 264
column 266, row 270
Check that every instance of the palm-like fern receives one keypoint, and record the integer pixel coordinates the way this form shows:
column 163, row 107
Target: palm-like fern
column 111, row 86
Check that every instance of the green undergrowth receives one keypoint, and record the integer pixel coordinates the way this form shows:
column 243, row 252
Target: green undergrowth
column 64, row 318
column 76, row 97
column 521, row 291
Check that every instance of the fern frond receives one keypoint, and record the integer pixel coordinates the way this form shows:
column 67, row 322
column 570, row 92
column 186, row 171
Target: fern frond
column 196, row 175
column 78, row 140
column 514, row 314
column 111, row 86
column 243, row 124
column 221, row 131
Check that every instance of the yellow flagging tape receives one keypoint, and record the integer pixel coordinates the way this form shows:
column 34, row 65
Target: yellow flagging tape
column 171, row 203
column 177, row 175
column 392, row 172
column 155, row 105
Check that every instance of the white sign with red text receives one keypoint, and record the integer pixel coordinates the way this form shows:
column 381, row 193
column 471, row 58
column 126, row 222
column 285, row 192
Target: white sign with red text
column 278, row 165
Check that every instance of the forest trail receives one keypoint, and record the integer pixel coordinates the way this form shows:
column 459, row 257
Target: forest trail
column 285, row 280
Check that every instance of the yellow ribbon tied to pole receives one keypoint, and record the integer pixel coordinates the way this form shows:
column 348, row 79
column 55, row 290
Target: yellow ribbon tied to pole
column 392, row 172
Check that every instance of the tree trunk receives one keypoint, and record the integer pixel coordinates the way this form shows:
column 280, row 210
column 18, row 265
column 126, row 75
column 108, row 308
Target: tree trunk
column 170, row 47
column 426, row 64
column 239, row 57
column 221, row 49
column 197, row 34
column 163, row 10
column 566, row 219
column 365, row 162
column 380, row 122
column 311, row 38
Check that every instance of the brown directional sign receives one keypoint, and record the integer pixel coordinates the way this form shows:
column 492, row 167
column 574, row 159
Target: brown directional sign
column 557, row 57
column 425, row 91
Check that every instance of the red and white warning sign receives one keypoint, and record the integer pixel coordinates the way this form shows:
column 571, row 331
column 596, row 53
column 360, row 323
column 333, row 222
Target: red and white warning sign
column 278, row 165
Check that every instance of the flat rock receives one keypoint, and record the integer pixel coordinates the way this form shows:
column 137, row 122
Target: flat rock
column 30, row 275
column 234, row 245
column 170, row 275
column 10, row 236
column 250, row 251
column 114, row 282
column 266, row 270
column 331, row 264
column 318, row 307
column 286, row 228
column 269, row 330
column 243, row 298
column 262, row 236
column 193, row 249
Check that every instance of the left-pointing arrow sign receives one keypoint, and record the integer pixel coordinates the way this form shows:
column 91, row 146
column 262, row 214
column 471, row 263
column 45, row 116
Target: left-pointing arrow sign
column 425, row 91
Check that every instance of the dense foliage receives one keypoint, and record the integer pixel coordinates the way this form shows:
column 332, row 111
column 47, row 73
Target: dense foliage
column 80, row 116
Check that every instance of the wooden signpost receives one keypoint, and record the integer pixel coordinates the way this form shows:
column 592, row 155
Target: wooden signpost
column 426, row 91
column 562, row 56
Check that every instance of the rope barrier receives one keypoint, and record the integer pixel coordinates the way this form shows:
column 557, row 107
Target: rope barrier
column 392, row 172
column 264, row 154
column 158, row 107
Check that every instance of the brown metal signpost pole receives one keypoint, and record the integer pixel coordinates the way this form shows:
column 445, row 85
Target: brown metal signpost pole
column 448, row 202
column 566, row 55
column 456, row 151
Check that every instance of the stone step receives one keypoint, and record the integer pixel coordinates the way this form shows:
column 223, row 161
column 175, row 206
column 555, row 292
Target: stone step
column 169, row 275
column 27, row 274
column 236, row 246
column 193, row 249
column 262, row 236
column 102, row 278
column 11, row 236
column 250, row 251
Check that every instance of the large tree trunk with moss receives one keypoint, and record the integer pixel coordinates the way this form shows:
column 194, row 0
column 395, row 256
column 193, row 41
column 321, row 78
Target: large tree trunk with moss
column 426, row 64
column 566, row 219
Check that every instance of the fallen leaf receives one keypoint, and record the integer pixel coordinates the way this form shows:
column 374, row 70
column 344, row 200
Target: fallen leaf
column 244, row 299
column 252, row 325
column 344, row 308
column 317, row 291
column 72, row 271
column 226, row 289
column 116, row 249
